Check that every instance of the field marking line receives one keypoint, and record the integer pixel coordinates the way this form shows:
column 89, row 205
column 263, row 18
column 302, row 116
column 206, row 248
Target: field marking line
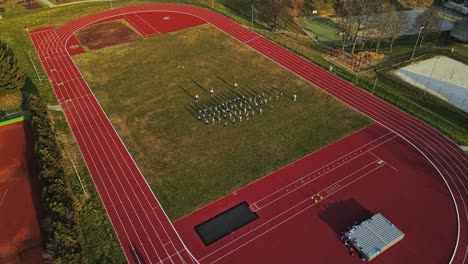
column 271, row 173
column 298, row 67
column 409, row 134
column 170, row 256
column 384, row 161
column 292, row 216
column 80, row 84
column 69, row 100
column 252, row 39
column 1, row 202
column 112, row 172
column 442, row 166
column 437, row 160
column 291, row 208
column 111, row 143
column 135, row 180
column 81, row 25
column 327, row 87
column 325, row 173
column 144, row 21
column 154, row 196
column 347, row 159
column 63, row 82
column 101, row 177
column 87, row 106
column 98, row 172
column 135, row 26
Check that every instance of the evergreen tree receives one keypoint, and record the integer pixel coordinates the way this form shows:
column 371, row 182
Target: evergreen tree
column 11, row 77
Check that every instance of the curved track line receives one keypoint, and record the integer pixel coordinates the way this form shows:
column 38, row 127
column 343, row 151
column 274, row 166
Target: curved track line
column 442, row 153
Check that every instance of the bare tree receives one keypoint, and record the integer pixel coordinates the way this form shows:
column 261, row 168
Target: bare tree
column 396, row 22
column 380, row 21
column 272, row 11
column 295, row 7
column 358, row 17
column 355, row 15
column 345, row 22
column 429, row 21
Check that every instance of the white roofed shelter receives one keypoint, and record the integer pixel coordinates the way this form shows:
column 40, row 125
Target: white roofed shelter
column 373, row 236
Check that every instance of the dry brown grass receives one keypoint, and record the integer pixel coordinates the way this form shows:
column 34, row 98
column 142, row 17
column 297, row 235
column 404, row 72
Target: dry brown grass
column 10, row 102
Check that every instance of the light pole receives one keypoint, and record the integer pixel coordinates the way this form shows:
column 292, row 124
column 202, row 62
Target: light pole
column 34, row 66
column 416, row 44
column 251, row 25
column 430, row 76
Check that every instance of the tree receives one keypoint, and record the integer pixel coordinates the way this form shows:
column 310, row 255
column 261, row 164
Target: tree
column 429, row 21
column 396, row 22
column 360, row 12
column 354, row 17
column 345, row 22
column 272, row 11
column 295, row 7
column 379, row 22
column 11, row 77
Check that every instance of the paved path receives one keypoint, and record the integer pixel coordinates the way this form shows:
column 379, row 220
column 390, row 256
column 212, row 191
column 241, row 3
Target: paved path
column 51, row 5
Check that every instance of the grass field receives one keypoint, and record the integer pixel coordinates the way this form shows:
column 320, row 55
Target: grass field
column 96, row 224
column 144, row 89
column 324, row 30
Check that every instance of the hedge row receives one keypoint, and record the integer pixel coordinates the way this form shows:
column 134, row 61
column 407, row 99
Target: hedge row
column 64, row 238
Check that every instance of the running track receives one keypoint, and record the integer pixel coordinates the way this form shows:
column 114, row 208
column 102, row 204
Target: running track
column 142, row 227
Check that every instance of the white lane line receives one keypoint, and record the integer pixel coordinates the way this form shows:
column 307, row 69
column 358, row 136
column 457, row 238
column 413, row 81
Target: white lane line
column 384, row 161
column 1, row 202
column 294, row 215
column 442, row 167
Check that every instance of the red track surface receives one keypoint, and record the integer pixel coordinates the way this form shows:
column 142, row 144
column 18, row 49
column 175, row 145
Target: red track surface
column 140, row 223
column 20, row 211
column 356, row 177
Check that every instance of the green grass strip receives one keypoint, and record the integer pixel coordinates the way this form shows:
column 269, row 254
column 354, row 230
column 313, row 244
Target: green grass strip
column 11, row 121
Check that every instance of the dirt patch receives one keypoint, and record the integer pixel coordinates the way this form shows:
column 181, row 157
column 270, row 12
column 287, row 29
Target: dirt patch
column 20, row 209
column 107, row 34
column 2, row 9
column 9, row 101
column 30, row 5
column 358, row 61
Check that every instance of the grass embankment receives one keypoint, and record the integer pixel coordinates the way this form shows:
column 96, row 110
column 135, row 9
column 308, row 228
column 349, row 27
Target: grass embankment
column 100, row 244
column 144, row 89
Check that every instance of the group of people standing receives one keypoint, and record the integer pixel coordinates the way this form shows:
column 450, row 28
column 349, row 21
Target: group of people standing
column 237, row 107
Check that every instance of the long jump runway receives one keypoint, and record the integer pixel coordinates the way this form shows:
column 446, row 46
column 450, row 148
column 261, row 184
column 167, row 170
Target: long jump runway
column 143, row 229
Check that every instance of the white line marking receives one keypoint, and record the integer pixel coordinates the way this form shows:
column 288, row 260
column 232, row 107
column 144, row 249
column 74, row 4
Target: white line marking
column 1, row 202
